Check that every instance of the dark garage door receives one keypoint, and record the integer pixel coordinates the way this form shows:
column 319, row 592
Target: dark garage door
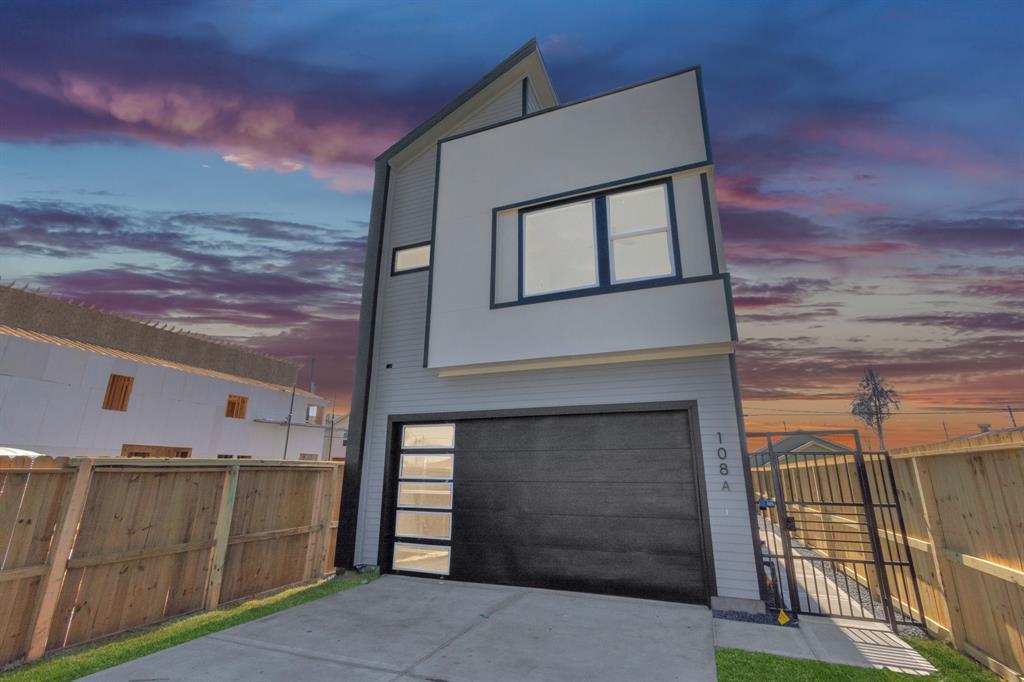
column 596, row 503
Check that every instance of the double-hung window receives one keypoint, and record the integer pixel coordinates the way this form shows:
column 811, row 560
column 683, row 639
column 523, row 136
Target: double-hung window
column 599, row 242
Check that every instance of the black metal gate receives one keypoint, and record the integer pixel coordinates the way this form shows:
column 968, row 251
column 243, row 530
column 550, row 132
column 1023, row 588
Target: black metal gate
column 833, row 542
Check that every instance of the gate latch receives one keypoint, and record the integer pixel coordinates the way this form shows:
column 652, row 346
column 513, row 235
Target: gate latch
column 790, row 523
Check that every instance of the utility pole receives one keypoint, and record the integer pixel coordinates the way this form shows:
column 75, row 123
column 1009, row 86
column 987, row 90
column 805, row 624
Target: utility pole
column 288, row 424
column 312, row 366
column 1013, row 419
column 333, row 416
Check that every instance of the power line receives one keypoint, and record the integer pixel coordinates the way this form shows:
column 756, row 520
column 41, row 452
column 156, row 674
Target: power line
column 979, row 410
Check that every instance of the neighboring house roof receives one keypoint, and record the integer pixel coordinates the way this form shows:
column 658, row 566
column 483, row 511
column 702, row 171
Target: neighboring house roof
column 145, row 359
column 74, row 321
column 789, row 447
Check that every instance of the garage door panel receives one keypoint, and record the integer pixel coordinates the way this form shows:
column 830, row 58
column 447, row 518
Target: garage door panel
column 625, row 465
column 598, row 499
column 605, row 503
column 576, row 432
column 616, row 534
column 630, row 574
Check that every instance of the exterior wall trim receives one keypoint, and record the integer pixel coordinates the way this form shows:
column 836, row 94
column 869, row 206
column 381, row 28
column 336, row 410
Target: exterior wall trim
column 690, row 406
column 349, row 514
column 723, row 348
column 709, row 219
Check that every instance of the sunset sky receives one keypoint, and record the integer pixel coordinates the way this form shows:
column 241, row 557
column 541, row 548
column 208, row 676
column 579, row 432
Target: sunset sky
column 208, row 164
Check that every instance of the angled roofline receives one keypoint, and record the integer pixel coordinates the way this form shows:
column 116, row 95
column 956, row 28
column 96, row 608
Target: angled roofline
column 528, row 48
column 349, row 516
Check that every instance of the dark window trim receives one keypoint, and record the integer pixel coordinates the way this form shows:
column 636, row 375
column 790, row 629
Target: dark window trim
column 526, row 88
column 709, row 221
column 390, row 488
column 604, row 285
column 404, row 247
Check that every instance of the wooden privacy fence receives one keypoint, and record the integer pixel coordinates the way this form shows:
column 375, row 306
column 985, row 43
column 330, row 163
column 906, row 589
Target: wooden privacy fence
column 94, row 546
column 963, row 502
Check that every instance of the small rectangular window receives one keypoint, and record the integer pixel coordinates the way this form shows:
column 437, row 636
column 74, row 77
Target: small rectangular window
column 308, row 457
column 421, row 558
column 559, row 249
column 411, row 258
column 237, row 406
column 119, row 390
column 314, row 414
column 428, row 436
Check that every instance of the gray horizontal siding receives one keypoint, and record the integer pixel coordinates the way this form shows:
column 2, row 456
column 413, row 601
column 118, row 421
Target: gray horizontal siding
column 532, row 104
column 506, row 105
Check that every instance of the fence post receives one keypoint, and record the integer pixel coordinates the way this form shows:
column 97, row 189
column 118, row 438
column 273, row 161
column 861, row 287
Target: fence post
column 316, row 535
column 334, row 489
column 58, row 560
column 937, row 540
column 221, row 535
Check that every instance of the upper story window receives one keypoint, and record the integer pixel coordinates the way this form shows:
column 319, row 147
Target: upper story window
column 119, row 390
column 314, row 414
column 236, row 407
column 601, row 242
column 410, row 258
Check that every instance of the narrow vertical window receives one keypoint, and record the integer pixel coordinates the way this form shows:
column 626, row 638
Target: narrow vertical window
column 119, row 390
column 638, row 234
column 236, row 407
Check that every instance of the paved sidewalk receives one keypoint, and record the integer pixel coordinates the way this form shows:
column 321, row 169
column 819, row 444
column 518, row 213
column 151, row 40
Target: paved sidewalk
column 833, row 640
column 412, row 630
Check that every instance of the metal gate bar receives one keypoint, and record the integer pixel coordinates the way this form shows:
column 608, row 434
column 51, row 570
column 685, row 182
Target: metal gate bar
column 832, row 533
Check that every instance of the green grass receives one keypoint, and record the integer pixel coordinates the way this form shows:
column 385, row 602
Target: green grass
column 89, row 659
column 742, row 666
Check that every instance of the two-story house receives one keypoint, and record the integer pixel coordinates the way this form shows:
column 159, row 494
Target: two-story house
column 546, row 390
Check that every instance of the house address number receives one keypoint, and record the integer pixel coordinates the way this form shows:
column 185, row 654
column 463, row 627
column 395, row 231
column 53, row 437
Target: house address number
column 723, row 466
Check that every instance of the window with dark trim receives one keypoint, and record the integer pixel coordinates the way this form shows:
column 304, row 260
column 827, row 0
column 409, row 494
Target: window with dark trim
column 598, row 243
column 411, row 258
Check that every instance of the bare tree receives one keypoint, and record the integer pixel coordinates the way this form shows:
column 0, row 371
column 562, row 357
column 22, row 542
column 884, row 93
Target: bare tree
column 875, row 402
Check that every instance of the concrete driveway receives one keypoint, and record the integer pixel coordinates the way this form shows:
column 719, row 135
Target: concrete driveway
column 409, row 629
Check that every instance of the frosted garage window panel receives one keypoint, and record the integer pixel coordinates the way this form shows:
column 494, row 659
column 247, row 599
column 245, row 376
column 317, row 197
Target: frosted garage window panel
column 427, row 466
column 430, row 495
column 421, row 558
column 411, row 258
column 418, row 524
column 428, row 436
column 559, row 249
